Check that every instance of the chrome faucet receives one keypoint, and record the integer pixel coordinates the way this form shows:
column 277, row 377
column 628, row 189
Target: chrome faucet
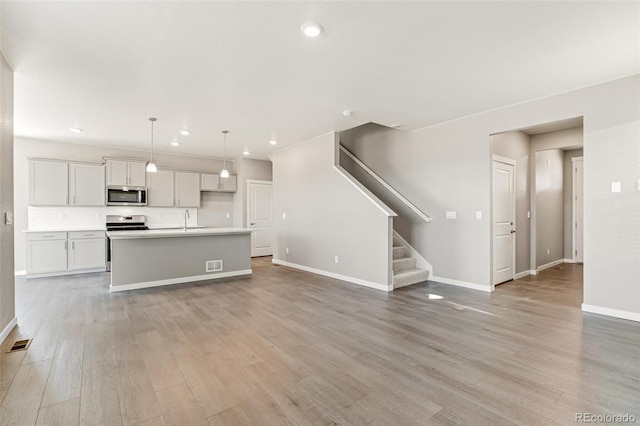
column 186, row 215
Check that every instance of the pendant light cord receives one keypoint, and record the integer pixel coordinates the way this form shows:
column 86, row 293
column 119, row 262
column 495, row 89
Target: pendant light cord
column 224, row 164
column 152, row 121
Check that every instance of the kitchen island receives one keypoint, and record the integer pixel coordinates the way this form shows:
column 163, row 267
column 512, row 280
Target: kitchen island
column 159, row 257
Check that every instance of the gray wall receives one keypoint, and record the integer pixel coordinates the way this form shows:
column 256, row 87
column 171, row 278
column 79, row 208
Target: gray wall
column 327, row 215
column 516, row 146
column 561, row 139
column 550, row 206
column 212, row 212
column 447, row 167
column 7, row 293
column 248, row 169
column 568, row 204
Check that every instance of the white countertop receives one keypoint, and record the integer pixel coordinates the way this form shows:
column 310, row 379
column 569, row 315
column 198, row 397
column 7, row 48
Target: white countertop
column 161, row 233
column 66, row 230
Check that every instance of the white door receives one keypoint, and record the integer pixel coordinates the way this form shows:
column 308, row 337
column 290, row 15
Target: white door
column 87, row 254
column 48, row 183
column 160, row 192
column 187, row 189
column 137, row 173
column 259, row 217
column 503, row 222
column 578, row 205
column 86, row 185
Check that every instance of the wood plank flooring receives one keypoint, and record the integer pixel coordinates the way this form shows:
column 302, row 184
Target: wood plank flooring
column 287, row 347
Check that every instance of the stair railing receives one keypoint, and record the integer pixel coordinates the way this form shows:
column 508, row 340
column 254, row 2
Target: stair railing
column 391, row 189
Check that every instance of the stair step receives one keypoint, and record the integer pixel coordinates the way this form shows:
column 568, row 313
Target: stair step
column 404, row 263
column 408, row 277
column 398, row 252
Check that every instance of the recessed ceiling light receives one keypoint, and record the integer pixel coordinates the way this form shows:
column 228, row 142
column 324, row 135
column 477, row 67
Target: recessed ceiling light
column 246, row 152
column 311, row 29
column 175, row 143
column 76, row 129
column 185, row 132
column 395, row 126
column 273, row 142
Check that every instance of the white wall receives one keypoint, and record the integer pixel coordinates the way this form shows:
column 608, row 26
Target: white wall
column 7, row 293
column 212, row 212
column 327, row 216
column 448, row 167
column 549, row 184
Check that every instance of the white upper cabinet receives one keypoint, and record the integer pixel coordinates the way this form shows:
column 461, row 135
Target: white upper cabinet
column 209, row 182
column 86, row 185
column 229, row 184
column 49, row 183
column 187, row 189
column 160, row 191
column 137, row 173
column 123, row 172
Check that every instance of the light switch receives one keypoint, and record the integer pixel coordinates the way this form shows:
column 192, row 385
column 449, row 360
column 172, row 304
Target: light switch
column 284, row 215
column 528, row 215
column 227, row 215
column 450, row 214
column 616, row 186
column 638, row 184
column 8, row 218
column 479, row 215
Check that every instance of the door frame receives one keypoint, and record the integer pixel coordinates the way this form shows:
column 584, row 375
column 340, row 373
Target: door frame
column 511, row 162
column 573, row 207
column 248, row 203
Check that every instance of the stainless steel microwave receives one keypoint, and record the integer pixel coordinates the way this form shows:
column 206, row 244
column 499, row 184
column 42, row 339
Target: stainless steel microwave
column 126, row 196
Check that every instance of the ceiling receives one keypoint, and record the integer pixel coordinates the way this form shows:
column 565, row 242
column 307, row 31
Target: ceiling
column 245, row 66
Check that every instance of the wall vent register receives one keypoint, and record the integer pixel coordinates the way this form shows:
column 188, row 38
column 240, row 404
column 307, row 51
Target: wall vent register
column 214, row 266
column 20, row 345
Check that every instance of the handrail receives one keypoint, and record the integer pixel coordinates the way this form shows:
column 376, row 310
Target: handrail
column 373, row 174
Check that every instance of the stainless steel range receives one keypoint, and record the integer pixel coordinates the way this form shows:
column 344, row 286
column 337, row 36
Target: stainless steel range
column 123, row 223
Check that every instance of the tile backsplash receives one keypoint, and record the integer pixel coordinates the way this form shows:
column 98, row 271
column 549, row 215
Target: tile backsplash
column 51, row 218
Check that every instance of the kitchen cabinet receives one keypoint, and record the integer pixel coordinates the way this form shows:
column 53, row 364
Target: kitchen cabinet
column 160, row 192
column 87, row 250
column 213, row 182
column 48, row 183
column 187, row 189
column 58, row 253
column 86, row 185
column 46, row 252
column 229, row 184
column 125, row 172
column 209, row 182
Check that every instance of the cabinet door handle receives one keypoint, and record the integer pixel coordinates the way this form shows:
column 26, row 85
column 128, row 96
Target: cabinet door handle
column 74, row 199
column 73, row 245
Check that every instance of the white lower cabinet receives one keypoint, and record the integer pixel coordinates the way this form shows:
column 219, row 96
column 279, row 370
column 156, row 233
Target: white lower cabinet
column 65, row 252
column 87, row 251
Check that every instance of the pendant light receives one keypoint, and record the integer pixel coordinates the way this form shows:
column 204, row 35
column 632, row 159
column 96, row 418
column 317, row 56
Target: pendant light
column 225, row 173
column 151, row 166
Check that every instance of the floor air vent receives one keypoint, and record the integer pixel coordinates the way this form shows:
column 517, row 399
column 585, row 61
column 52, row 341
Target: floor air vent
column 214, row 266
column 19, row 345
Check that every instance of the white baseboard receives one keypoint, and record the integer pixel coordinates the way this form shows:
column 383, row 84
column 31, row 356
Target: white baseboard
column 353, row 280
column 632, row 316
column 421, row 261
column 8, row 329
column 158, row 283
column 569, row 261
column 524, row 274
column 59, row 274
column 464, row 284
column 550, row 265
column 19, row 273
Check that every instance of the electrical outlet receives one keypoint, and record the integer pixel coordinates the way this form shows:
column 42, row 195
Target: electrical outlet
column 450, row 214
column 284, row 215
column 548, row 251
column 479, row 215
column 616, row 186
column 528, row 215
column 228, row 215
column 286, row 250
column 336, row 259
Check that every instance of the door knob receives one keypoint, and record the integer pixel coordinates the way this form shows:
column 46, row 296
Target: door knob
column 253, row 223
column 513, row 232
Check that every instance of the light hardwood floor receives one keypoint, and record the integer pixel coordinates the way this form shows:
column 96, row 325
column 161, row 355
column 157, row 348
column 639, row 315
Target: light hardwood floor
column 289, row 347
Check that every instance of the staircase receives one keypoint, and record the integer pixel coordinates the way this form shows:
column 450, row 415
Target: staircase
column 405, row 271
